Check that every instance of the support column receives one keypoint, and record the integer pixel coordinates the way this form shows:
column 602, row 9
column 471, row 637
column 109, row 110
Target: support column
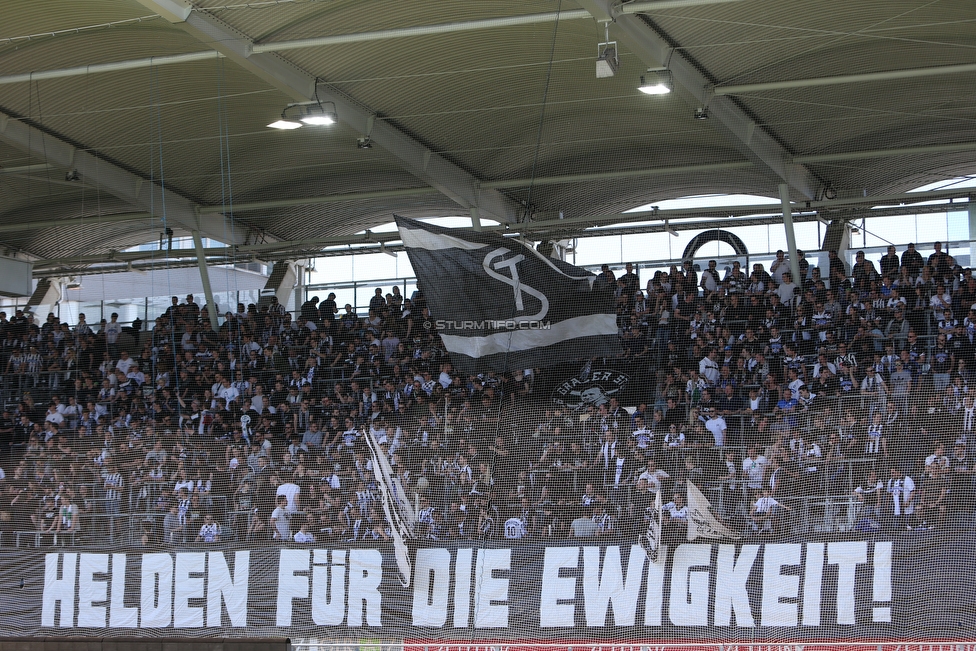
column 784, row 195
column 299, row 293
column 972, row 234
column 475, row 218
column 46, row 297
column 205, row 277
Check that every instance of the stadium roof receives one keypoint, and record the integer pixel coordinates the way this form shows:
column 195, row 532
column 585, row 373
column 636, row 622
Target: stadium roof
column 117, row 113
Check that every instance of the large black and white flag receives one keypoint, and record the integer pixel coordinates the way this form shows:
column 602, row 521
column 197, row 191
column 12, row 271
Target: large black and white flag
column 499, row 305
column 396, row 505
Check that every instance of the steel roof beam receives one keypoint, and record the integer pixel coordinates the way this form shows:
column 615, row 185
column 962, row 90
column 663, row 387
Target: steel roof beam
column 883, row 75
column 127, row 186
column 750, row 138
column 618, row 174
column 656, row 5
column 300, row 85
column 315, row 201
column 686, row 219
column 424, row 30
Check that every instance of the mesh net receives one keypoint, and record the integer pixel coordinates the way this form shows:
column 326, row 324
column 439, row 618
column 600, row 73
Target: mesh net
column 727, row 459
column 745, row 470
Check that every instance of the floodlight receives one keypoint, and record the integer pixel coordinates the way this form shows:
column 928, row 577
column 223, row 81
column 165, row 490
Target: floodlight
column 607, row 60
column 655, row 82
column 285, row 124
column 317, row 115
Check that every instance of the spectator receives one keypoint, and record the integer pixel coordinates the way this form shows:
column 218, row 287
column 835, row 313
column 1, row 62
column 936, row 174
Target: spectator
column 173, row 525
column 901, row 503
column 764, row 512
column 281, row 520
column 583, row 526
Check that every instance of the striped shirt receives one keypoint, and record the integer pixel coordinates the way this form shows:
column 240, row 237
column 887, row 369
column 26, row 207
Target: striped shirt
column 113, row 482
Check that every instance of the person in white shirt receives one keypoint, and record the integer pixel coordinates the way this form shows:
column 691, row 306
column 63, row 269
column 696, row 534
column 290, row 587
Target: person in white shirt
column 290, row 492
column 786, row 289
column 112, row 331
column 764, row 511
column 642, row 435
column 868, row 494
column 940, row 302
column 823, row 363
column 654, row 476
column 136, row 375
column 280, row 520
column 228, row 392
column 54, row 416
column 708, row 367
column 709, row 280
column 675, row 516
column 444, row 379
column 259, row 401
column 304, row 535
column 515, row 528
column 780, row 267
column 717, row 426
column 674, row 438
column 754, row 468
column 125, row 362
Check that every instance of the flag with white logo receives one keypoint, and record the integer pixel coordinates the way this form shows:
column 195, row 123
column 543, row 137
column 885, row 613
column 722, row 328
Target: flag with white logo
column 702, row 523
column 499, row 305
column 651, row 540
column 396, row 505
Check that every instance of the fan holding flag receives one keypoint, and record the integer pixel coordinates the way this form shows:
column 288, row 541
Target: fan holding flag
column 396, row 505
column 651, row 539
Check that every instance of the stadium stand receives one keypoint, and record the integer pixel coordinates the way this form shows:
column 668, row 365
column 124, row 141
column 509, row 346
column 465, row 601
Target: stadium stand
column 837, row 407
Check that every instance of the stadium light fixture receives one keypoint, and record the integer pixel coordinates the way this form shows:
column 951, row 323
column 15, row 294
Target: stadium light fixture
column 318, row 115
column 607, row 60
column 655, row 82
column 310, row 113
column 285, row 122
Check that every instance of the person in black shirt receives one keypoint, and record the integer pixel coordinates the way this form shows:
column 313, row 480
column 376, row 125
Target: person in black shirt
column 674, row 415
column 912, row 261
column 939, row 261
column 7, row 426
column 327, row 313
column 889, row 263
column 961, row 472
column 631, row 284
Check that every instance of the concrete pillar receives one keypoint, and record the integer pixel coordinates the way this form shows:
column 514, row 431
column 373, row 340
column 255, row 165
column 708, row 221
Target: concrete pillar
column 784, row 195
column 972, row 234
column 205, row 277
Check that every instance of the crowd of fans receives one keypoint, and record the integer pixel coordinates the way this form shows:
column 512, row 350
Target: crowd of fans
column 768, row 394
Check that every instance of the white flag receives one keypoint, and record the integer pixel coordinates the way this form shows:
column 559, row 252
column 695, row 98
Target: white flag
column 396, row 505
column 651, row 540
column 701, row 522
